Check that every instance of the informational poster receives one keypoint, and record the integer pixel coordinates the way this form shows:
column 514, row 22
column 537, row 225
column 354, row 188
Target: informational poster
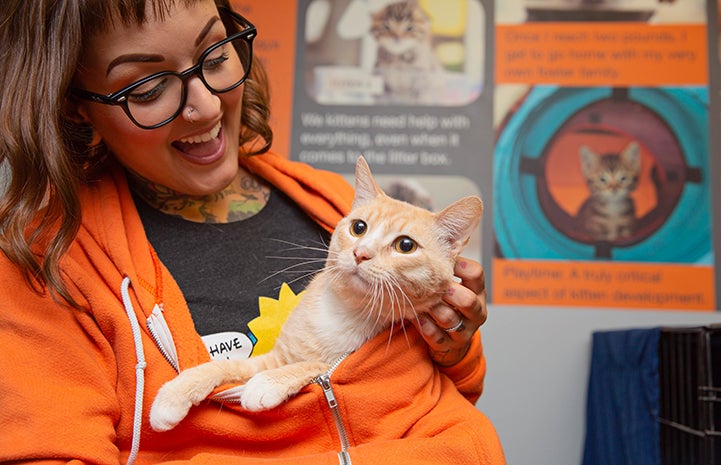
column 586, row 127
column 274, row 47
column 406, row 85
column 603, row 144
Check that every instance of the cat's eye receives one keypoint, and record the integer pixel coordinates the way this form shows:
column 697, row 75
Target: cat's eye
column 358, row 228
column 405, row 244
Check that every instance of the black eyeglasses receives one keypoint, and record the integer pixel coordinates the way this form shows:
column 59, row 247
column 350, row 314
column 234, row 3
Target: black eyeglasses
column 159, row 98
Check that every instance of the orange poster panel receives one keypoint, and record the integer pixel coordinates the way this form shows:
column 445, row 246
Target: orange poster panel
column 601, row 54
column 592, row 284
column 275, row 47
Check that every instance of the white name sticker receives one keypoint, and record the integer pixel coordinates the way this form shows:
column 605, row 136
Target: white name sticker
column 228, row 345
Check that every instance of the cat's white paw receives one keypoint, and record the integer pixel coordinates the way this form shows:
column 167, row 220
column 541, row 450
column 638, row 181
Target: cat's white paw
column 177, row 396
column 263, row 392
column 168, row 409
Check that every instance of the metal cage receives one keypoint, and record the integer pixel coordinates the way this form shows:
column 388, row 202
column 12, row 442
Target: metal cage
column 690, row 396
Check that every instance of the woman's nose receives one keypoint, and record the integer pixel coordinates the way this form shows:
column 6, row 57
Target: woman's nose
column 200, row 104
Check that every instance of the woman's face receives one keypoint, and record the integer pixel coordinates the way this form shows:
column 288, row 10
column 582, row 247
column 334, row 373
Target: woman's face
column 189, row 154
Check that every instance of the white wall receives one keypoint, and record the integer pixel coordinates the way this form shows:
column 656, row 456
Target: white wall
column 538, row 364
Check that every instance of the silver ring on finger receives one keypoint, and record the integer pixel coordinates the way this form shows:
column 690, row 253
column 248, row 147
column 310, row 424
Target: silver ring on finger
column 454, row 328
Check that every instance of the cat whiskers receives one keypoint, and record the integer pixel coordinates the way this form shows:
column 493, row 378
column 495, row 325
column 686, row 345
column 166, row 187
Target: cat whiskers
column 304, row 261
column 295, row 246
column 394, row 285
column 388, row 286
column 374, row 304
column 292, row 268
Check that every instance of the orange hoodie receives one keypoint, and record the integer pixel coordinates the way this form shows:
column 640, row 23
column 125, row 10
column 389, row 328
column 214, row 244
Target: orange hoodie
column 77, row 385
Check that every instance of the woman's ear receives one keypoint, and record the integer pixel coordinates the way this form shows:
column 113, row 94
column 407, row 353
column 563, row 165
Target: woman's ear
column 76, row 113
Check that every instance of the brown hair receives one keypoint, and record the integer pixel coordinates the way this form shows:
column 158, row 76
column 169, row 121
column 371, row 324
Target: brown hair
column 45, row 151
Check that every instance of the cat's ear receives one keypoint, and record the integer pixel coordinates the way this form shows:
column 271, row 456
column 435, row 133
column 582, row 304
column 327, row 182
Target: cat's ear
column 366, row 188
column 589, row 159
column 631, row 156
column 458, row 220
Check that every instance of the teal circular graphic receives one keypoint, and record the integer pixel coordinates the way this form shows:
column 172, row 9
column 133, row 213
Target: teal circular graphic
column 671, row 125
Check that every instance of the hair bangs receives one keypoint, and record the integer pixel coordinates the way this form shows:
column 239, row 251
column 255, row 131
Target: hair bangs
column 101, row 15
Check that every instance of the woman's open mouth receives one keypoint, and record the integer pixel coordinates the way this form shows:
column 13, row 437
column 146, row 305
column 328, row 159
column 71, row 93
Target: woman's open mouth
column 203, row 148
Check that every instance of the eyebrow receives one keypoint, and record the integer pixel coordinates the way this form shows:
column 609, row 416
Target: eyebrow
column 155, row 58
column 133, row 58
column 206, row 30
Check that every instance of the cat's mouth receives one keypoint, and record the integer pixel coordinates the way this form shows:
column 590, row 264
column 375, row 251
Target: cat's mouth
column 364, row 280
column 357, row 277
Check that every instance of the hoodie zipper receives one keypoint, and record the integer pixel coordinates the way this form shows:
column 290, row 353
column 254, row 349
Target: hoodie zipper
column 325, row 384
column 160, row 332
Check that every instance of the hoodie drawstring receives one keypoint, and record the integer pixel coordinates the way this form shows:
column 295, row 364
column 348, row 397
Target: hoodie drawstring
column 139, row 370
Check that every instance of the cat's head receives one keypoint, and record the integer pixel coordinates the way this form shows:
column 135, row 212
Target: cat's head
column 611, row 175
column 389, row 249
column 400, row 25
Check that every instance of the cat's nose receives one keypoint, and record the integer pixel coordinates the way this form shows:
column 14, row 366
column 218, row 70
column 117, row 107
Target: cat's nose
column 361, row 255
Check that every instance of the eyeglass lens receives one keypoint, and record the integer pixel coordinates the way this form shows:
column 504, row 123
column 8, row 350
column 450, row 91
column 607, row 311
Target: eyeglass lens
column 159, row 99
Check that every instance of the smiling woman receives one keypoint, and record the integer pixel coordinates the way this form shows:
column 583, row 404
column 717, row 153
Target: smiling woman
column 153, row 97
column 141, row 225
column 156, row 100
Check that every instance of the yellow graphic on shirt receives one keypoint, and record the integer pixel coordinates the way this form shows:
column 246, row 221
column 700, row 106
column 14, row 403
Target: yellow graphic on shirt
column 273, row 314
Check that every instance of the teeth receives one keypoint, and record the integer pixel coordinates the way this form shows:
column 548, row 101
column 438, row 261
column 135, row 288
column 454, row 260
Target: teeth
column 210, row 135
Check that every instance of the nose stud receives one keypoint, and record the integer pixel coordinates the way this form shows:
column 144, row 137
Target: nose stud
column 189, row 114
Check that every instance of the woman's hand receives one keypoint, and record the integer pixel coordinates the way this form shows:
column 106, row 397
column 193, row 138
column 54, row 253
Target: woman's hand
column 449, row 327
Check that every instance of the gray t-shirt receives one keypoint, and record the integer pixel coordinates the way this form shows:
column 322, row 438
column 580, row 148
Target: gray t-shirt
column 231, row 273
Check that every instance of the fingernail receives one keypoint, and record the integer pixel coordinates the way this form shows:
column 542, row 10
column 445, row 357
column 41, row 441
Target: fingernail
column 423, row 320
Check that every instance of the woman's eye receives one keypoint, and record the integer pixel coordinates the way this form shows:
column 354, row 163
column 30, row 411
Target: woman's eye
column 212, row 62
column 405, row 244
column 216, row 58
column 358, row 228
column 149, row 92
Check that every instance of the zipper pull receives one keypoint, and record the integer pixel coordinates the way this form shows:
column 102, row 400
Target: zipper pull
column 324, row 381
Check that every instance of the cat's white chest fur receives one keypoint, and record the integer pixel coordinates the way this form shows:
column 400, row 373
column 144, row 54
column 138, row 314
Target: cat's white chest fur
column 344, row 328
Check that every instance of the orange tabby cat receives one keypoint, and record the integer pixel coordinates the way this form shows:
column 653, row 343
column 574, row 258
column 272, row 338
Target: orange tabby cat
column 387, row 261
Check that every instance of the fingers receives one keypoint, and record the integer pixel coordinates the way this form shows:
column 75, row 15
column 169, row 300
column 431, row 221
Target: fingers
column 465, row 304
column 448, row 319
column 450, row 325
column 468, row 297
column 445, row 348
column 471, row 273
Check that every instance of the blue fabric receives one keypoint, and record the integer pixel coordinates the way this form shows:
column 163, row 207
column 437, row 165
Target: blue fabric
column 623, row 399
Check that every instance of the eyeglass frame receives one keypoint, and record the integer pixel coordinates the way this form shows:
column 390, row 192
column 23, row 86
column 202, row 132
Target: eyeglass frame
column 120, row 97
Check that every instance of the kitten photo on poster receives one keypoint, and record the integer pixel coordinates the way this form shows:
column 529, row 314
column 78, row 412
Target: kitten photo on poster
column 405, row 58
column 609, row 213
